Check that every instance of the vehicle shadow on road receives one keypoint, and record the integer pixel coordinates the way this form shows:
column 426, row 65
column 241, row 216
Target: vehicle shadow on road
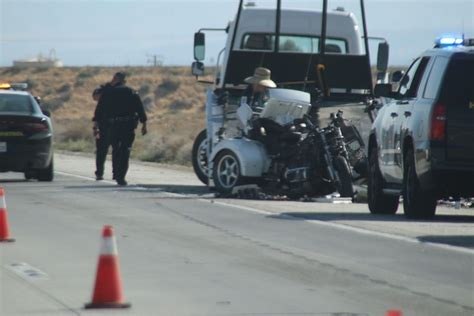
column 454, row 240
column 339, row 216
column 177, row 188
column 184, row 191
column 13, row 180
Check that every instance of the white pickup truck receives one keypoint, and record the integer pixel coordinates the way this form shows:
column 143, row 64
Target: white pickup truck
column 322, row 53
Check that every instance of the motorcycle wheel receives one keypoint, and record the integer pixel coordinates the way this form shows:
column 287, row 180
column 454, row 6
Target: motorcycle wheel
column 344, row 187
column 226, row 172
column 199, row 156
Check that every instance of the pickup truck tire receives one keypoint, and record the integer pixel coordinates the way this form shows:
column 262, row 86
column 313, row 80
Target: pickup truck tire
column 226, row 172
column 199, row 156
column 379, row 202
column 345, row 187
column 417, row 203
column 47, row 174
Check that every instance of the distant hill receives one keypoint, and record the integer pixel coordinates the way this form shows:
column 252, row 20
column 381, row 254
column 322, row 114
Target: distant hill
column 174, row 102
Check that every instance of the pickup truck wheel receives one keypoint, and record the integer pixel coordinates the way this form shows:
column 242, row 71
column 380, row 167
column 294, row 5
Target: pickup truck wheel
column 417, row 203
column 226, row 172
column 199, row 156
column 345, row 187
column 379, row 202
column 47, row 174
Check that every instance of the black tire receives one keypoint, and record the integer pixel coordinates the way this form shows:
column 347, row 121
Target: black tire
column 218, row 175
column 29, row 175
column 343, row 169
column 198, row 157
column 417, row 203
column 47, row 174
column 379, row 202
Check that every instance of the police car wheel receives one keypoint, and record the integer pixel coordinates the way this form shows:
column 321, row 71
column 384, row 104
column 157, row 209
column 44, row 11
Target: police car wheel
column 199, row 156
column 47, row 174
column 226, row 172
column 379, row 202
column 417, row 203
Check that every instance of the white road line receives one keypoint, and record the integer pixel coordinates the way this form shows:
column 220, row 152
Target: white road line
column 83, row 177
column 310, row 221
column 349, row 228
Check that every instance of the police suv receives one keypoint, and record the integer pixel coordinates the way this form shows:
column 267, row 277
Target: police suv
column 421, row 144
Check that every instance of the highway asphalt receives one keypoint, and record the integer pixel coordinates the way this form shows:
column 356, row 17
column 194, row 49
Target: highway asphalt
column 184, row 252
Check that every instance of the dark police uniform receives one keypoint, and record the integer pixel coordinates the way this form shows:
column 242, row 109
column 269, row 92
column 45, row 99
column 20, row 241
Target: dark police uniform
column 102, row 142
column 121, row 108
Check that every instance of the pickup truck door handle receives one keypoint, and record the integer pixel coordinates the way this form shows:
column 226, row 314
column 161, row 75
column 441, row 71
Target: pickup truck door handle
column 393, row 114
column 407, row 113
column 403, row 102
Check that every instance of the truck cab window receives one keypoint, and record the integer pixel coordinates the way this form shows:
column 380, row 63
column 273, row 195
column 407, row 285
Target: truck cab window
column 293, row 43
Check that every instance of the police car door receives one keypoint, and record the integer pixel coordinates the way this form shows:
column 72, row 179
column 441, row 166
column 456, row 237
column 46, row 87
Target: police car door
column 406, row 100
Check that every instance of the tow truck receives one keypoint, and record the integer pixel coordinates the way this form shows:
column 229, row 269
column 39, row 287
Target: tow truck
column 324, row 54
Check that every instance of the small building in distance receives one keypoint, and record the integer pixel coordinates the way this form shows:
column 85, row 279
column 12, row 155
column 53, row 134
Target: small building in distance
column 40, row 61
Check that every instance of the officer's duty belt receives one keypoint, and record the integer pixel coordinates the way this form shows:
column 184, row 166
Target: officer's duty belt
column 122, row 119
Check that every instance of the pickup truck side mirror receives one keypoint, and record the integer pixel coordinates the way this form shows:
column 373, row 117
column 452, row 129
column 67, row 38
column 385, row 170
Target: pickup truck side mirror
column 46, row 112
column 397, row 76
column 382, row 57
column 384, row 90
column 197, row 68
column 199, row 46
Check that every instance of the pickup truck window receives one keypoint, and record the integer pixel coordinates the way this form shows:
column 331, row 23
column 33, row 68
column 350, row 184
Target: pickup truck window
column 293, row 43
column 411, row 81
column 436, row 75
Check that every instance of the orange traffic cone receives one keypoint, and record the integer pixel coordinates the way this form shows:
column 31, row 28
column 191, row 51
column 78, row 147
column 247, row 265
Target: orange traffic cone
column 4, row 228
column 108, row 291
column 394, row 312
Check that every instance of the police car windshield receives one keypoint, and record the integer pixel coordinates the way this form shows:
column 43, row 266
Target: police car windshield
column 15, row 103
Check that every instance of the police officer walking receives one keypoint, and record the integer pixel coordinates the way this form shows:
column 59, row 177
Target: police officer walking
column 100, row 130
column 121, row 108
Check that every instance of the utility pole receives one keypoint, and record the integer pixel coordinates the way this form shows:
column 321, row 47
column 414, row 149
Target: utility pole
column 155, row 60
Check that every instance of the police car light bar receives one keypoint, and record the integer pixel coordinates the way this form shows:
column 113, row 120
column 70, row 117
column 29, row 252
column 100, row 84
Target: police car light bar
column 13, row 86
column 446, row 41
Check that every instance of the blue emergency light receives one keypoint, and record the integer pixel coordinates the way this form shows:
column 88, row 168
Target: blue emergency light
column 449, row 40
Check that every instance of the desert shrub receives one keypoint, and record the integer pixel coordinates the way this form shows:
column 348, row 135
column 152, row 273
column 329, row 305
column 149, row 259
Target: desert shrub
column 52, row 104
column 179, row 105
column 32, row 83
column 160, row 148
column 87, row 73
column 148, row 104
column 12, row 71
column 167, row 87
column 184, row 153
column 144, row 89
column 74, row 131
column 48, row 91
column 79, row 82
column 38, row 70
column 81, row 145
column 65, row 88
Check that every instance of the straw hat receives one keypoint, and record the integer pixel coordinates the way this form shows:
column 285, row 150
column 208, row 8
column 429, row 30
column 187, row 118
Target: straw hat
column 261, row 76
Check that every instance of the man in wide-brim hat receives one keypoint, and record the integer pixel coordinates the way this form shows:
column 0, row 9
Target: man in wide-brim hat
column 259, row 83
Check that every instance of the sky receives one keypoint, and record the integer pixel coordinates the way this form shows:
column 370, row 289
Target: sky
column 128, row 32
